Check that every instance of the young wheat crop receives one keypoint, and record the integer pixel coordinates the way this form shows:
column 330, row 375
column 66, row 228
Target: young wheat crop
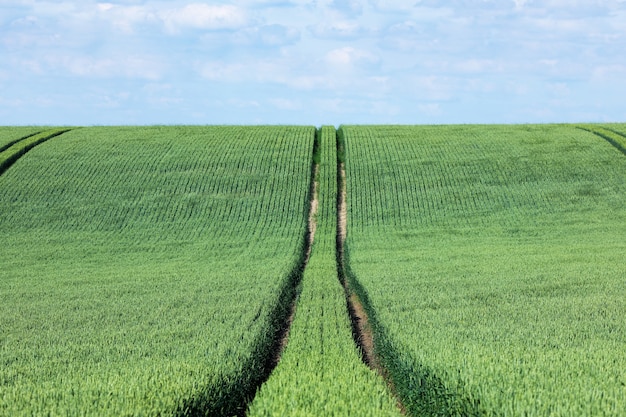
column 491, row 258
column 143, row 267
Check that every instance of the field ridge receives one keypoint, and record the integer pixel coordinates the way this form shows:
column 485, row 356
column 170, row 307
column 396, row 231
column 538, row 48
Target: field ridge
column 285, row 310
column 158, row 262
column 283, row 313
column 195, row 271
column 488, row 261
column 322, row 371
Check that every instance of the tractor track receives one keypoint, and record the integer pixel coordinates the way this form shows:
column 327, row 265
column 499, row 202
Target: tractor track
column 361, row 329
column 21, row 151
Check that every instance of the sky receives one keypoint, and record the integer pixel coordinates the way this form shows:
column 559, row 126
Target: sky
column 314, row 62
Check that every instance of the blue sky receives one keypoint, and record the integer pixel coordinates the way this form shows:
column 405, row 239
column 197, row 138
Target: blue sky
column 312, row 61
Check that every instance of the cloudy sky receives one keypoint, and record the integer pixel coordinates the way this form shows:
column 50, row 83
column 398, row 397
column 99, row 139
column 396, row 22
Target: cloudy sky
column 312, row 61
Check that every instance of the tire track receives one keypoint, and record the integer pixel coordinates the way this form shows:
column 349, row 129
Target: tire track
column 19, row 148
column 283, row 334
column 607, row 134
column 361, row 329
column 13, row 142
column 285, row 311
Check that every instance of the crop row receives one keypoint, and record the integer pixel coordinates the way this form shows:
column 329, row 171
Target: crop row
column 10, row 135
column 146, row 271
column 610, row 133
column 491, row 261
column 464, row 183
column 13, row 150
column 143, row 269
column 619, row 128
column 321, row 372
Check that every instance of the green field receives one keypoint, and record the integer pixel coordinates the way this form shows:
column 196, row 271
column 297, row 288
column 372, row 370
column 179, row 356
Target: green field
column 142, row 267
column 16, row 148
column 493, row 260
column 321, row 372
column 153, row 270
column 13, row 134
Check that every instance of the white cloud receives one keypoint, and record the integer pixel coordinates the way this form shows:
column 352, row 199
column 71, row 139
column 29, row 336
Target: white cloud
column 432, row 87
column 126, row 18
column 204, row 17
column 264, row 56
column 559, row 89
column 351, row 7
column 519, row 4
column 552, row 25
column 348, row 56
column 308, row 82
column 608, row 73
column 104, row 7
column 96, row 67
column 282, row 71
column 285, row 104
column 339, row 29
column 479, row 66
column 267, row 35
column 395, row 5
column 156, row 88
column 351, row 110
column 244, row 103
column 59, row 8
column 111, row 101
column 221, row 71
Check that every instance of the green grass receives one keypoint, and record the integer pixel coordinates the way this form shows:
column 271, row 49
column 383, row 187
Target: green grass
column 491, row 258
column 142, row 268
